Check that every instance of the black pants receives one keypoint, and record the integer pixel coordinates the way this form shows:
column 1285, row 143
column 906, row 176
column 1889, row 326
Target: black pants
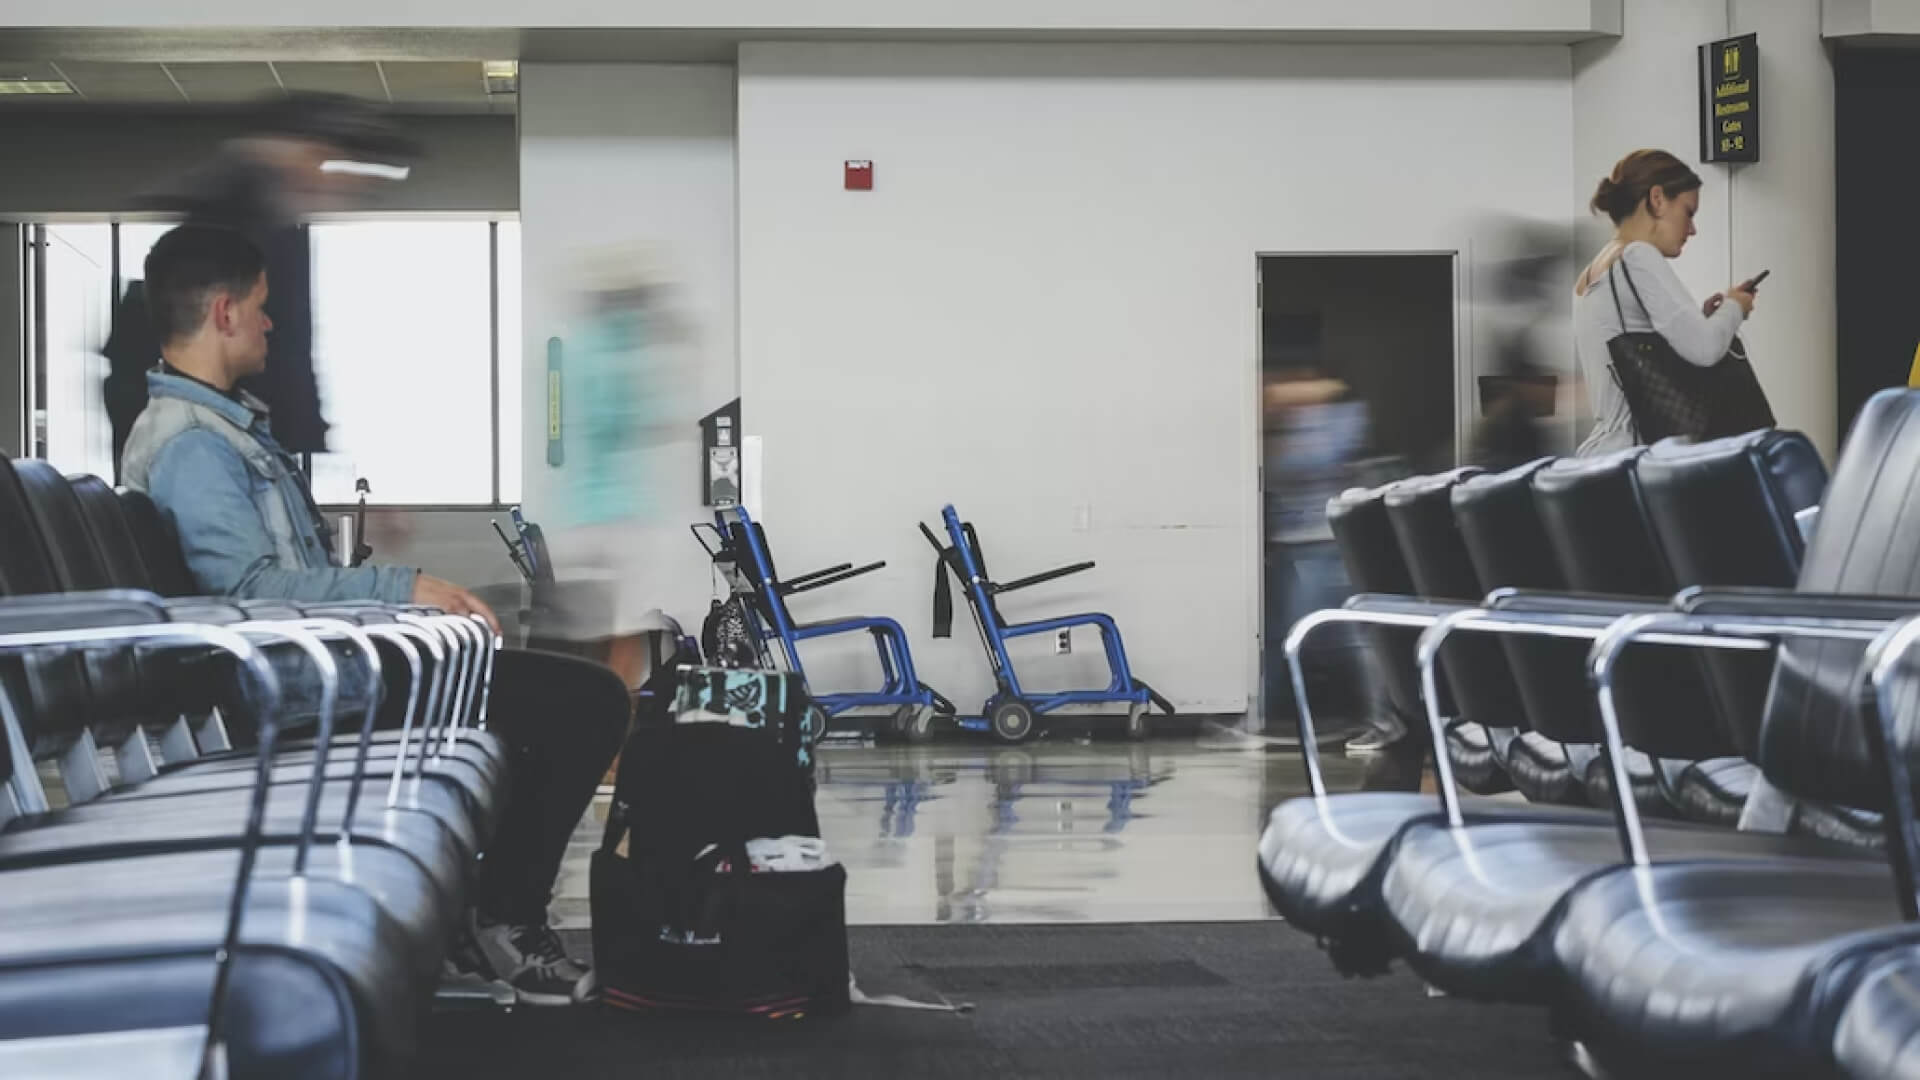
column 562, row 720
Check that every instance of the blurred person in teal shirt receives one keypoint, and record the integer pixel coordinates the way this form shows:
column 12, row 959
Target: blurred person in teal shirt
column 624, row 405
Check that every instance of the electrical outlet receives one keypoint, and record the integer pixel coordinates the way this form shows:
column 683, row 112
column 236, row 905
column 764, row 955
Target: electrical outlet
column 1063, row 643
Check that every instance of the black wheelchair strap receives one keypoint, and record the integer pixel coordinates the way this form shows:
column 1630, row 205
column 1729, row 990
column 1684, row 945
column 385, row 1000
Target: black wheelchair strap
column 942, row 599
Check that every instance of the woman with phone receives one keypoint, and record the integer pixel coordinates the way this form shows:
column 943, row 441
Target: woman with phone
column 1630, row 289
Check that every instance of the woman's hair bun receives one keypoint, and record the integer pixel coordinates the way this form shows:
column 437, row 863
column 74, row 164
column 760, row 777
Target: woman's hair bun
column 1604, row 196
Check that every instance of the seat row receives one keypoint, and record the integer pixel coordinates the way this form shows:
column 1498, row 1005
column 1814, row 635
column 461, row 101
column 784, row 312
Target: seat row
column 1648, row 633
column 1643, row 524
column 267, row 819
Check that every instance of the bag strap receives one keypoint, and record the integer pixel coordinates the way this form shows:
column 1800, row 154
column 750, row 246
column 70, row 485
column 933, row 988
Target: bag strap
column 1614, row 286
column 1621, row 262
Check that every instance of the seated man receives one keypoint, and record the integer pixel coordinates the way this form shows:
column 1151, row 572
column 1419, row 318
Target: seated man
column 249, row 528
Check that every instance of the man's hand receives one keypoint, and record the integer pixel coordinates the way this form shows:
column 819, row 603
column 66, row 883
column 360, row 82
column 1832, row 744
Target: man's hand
column 430, row 591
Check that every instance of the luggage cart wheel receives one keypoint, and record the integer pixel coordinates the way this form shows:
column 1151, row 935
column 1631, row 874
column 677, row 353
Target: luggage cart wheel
column 1012, row 721
column 1137, row 720
column 814, row 723
column 914, row 723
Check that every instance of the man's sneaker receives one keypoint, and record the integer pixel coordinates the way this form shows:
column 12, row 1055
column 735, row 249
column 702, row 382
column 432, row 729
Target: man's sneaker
column 1372, row 742
column 533, row 961
column 465, row 978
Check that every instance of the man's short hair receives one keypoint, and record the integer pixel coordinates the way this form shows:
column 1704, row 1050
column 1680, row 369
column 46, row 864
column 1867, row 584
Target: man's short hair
column 188, row 267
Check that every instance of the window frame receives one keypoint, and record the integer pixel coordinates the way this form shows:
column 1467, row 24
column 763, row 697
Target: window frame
column 493, row 221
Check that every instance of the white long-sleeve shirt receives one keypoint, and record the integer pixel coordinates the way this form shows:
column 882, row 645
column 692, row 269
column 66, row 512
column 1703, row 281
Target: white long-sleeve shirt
column 1669, row 310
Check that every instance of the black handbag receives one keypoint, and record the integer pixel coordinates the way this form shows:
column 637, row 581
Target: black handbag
column 1667, row 396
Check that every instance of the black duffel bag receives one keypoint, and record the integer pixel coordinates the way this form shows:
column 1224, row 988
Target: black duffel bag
column 681, row 920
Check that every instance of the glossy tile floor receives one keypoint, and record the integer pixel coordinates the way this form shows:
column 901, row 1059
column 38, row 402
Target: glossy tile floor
column 1053, row 832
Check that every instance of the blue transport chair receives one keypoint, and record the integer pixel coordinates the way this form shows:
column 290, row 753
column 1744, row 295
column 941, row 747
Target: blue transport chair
column 739, row 549
column 1011, row 713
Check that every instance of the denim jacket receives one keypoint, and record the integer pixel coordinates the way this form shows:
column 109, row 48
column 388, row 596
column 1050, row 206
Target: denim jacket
column 238, row 502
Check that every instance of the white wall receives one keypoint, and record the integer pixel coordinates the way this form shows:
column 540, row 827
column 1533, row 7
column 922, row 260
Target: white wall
column 1642, row 90
column 1045, row 311
column 634, row 157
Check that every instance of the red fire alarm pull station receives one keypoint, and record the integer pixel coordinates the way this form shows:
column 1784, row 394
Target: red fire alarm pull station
column 859, row 176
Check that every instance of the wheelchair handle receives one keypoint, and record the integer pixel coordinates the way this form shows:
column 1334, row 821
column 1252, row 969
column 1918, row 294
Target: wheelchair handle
column 804, row 579
column 1040, row 579
column 835, row 579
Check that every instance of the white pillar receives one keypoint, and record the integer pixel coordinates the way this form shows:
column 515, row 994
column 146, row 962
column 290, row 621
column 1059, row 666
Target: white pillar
column 1783, row 218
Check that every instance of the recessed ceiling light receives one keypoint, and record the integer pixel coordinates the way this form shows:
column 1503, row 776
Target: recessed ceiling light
column 503, row 76
column 35, row 86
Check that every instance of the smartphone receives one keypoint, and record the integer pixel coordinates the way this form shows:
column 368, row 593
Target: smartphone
column 1753, row 282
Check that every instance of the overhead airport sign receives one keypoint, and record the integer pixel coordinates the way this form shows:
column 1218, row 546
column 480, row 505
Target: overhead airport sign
column 1730, row 100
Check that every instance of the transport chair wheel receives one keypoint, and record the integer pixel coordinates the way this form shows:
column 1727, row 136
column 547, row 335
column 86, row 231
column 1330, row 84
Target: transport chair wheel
column 914, row 723
column 1137, row 721
column 1012, row 721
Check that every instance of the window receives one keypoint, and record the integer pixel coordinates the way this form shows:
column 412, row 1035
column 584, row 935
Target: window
column 416, row 353
column 70, row 414
column 403, row 352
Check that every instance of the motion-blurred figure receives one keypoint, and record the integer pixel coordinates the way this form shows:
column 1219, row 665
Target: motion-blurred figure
column 1526, row 266
column 307, row 154
column 1316, row 429
column 623, row 402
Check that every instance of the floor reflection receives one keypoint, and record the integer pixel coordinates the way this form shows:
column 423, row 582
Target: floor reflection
column 1106, row 831
column 1088, row 832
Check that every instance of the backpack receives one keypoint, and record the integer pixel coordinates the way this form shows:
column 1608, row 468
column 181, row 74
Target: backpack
column 681, row 919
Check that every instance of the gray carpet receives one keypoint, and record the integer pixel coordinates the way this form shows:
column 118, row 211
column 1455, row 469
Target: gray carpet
column 1161, row 1000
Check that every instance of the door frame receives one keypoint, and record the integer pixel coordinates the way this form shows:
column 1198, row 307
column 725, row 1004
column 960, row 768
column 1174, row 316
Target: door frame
column 1465, row 409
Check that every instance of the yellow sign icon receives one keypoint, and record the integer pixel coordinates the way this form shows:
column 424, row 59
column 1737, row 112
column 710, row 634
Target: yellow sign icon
column 1730, row 61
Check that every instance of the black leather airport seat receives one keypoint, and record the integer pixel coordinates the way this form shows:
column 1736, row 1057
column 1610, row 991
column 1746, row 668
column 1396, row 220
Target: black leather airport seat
column 1741, row 970
column 1420, row 511
column 1597, row 526
column 1878, row 1035
column 159, row 549
column 1504, row 538
column 1371, row 552
column 1725, row 514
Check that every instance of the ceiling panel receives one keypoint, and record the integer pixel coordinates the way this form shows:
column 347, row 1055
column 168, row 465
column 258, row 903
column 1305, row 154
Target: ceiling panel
column 411, row 86
column 224, row 83
column 443, row 83
column 360, row 79
column 30, row 70
column 144, row 84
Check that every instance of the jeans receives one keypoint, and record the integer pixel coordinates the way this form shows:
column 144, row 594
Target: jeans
column 1301, row 579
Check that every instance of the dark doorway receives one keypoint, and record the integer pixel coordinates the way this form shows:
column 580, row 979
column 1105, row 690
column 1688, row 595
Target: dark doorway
column 1381, row 324
column 1357, row 385
column 1877, row 221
